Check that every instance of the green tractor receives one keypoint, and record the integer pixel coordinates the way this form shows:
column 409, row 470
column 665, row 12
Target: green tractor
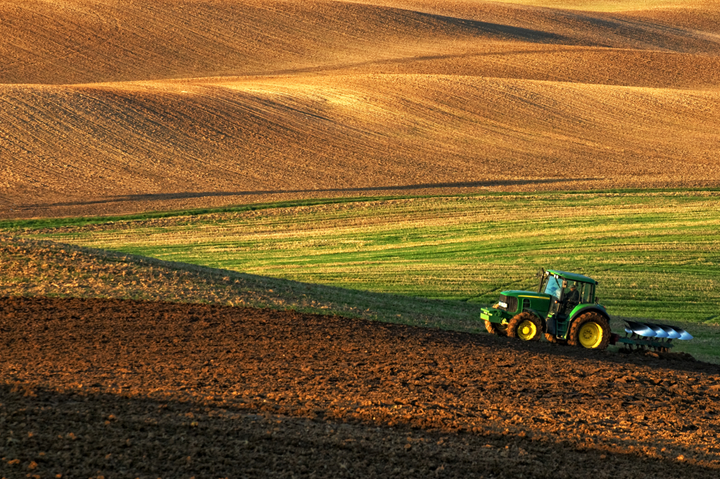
column 564, row 308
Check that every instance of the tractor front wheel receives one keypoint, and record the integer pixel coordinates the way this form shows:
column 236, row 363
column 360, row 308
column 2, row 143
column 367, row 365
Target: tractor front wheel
column 496, row 329
column 525, row 326
column 590, row 331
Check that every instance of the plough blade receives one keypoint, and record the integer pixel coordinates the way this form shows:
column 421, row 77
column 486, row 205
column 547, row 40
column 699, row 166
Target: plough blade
column 650, row 335
column 650, row 330
column 640, row 329
column 671, row 333
column 659, row 332
column 683, row 334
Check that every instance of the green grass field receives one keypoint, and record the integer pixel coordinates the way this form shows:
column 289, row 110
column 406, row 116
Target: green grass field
column 656, row 255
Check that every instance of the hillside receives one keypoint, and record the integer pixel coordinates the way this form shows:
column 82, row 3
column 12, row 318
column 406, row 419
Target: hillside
column 144, row 105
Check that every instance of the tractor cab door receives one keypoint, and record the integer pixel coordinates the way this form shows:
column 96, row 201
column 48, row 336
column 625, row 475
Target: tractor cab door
column 554, row 287
column 556, row 321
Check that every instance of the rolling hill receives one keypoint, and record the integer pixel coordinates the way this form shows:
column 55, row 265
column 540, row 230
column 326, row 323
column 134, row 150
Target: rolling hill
column 110, row 107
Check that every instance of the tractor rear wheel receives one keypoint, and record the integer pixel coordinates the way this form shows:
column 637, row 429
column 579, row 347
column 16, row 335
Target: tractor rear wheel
column 590, row 331
column 525, row 326
column 496, row 329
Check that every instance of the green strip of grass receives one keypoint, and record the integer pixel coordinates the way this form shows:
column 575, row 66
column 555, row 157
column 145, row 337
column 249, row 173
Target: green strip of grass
column 656, row 254
column 47, row 223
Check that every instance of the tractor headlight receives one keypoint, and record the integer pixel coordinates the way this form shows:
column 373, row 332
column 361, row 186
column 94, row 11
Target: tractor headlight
column 502, row 304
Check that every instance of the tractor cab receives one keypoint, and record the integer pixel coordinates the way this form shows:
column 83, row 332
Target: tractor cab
column 560, row 285
column 570, row 293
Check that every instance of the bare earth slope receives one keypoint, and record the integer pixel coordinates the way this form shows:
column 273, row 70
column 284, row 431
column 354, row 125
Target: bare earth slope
column 105, row 387
column 110, row 107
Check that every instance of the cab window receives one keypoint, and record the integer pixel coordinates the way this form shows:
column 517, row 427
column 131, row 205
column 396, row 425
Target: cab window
column 554, row 287
column 587, row 293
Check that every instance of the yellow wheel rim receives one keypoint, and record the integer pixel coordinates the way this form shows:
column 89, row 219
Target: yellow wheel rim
column 590, row 335
column 527, row 330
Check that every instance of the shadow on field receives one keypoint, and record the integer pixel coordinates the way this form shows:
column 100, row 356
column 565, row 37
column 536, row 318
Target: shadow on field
column 87, row 433
column 503, row 31
column 208, row 194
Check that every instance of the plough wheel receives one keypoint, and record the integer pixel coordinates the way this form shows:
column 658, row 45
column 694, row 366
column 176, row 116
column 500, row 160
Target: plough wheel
column 525, row 326
column 590, row 331
column 496, row 329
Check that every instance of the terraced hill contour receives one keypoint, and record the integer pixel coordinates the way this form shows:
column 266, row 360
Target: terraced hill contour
column 110, row 107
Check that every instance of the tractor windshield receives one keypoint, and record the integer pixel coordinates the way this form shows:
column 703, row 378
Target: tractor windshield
column 554, row 286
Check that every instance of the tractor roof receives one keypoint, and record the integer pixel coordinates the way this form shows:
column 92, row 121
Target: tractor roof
column 572, row 276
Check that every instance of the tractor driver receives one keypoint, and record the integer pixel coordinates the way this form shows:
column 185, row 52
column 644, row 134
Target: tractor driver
column 572, row 299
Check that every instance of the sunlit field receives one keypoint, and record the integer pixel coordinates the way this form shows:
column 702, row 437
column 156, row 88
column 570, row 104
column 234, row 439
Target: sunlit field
column 283, row 100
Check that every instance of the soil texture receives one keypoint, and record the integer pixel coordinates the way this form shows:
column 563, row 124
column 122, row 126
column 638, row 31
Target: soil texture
column 113, row 388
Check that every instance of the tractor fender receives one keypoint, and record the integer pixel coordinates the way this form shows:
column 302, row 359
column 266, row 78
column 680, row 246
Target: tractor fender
column 577, row 312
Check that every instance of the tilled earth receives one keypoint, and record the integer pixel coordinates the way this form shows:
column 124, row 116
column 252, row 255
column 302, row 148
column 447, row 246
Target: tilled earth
column 113, row 108
column 116, row 388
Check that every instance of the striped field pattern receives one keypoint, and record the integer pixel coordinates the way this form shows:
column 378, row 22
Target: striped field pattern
column 655, row 255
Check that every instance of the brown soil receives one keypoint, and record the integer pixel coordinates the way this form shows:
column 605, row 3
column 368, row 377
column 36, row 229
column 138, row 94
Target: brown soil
column 132, row 389
column 119, row 107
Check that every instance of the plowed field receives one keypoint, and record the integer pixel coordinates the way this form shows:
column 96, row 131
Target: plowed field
column 117, row 107
column 133, row 389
